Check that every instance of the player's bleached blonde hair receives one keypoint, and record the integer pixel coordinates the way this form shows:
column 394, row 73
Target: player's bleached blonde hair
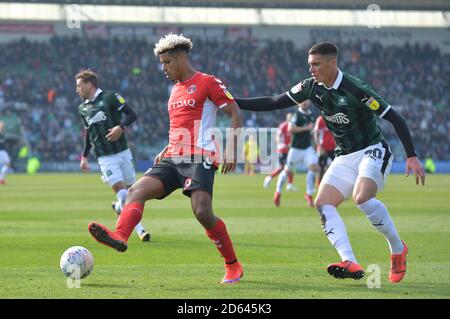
column 171, row 42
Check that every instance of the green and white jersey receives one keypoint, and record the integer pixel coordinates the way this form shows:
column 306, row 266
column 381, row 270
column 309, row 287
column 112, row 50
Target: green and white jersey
column 99, row 115
column 349, row 109
column 301, row 140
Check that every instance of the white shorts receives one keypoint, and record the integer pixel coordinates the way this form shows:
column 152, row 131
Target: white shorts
column 373, row 162
column 297, row 156
column 4, row 158
column 118, row 168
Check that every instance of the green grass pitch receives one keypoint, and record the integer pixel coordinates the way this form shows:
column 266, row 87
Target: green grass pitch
column 284, row 251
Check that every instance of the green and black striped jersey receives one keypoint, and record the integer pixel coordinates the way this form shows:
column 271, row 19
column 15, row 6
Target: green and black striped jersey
column 349, row 109
column 301, row 140
column 99, row 115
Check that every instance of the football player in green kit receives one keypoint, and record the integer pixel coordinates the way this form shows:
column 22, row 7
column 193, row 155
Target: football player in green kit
column 350, row 108
column 101, row 113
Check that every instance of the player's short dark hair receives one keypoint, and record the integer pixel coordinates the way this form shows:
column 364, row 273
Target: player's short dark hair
column 88, row 76
column 324, row 48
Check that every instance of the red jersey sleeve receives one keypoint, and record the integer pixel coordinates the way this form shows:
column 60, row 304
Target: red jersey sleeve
column 218, row 92
column 319, row 123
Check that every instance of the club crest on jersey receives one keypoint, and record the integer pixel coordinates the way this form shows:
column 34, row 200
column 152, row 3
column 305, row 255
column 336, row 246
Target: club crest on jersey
column 373, row 104
column 192, row 89
column 342, row 100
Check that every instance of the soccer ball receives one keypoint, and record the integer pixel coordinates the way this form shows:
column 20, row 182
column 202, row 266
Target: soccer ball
column 76, row 262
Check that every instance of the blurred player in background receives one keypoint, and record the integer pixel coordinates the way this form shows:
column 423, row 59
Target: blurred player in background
column 101, row 113
column 301, row 151
column 283, row 139
column 350, row 108
column 325, row 145
column 251, row 153
column 187, row 162
column 5, row 161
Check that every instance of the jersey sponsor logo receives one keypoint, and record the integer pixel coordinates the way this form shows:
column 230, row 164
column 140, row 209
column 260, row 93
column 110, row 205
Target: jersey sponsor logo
column 192, row 89
column 373, row 104
column 120, row 99
column 319, row 97
column 98, row 117
column 182, row 103
column 339, row 118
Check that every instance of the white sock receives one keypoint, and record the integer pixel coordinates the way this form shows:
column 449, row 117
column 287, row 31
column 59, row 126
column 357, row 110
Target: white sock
column 335, row 230
column 310, row 182
column 281, row 180
column 379, row 216
column 121, row 199
column 139, row 228
column 3, row 171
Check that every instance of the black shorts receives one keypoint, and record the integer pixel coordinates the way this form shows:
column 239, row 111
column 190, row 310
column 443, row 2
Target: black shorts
column 323, row 158
column 186, row 175
column 282, row 157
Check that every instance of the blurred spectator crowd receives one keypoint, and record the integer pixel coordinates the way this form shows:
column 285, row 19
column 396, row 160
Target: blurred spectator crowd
column 37, row 83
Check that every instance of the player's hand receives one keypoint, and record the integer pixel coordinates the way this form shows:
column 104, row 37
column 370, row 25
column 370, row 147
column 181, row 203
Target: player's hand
column 158, row 158
column 114, row 133
column 228, row 167
column 414, row 165
column 84, row 166
column 229, row 161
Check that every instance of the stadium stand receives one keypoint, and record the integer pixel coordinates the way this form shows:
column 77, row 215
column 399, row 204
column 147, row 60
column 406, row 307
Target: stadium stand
column 37, row 84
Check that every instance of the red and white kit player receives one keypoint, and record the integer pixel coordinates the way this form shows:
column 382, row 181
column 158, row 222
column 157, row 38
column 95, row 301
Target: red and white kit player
column 187, row 162
column 325, row 145
column 283, row 143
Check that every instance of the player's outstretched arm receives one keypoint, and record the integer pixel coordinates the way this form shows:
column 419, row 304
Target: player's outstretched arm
column 412, row 162
column 265, row 103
